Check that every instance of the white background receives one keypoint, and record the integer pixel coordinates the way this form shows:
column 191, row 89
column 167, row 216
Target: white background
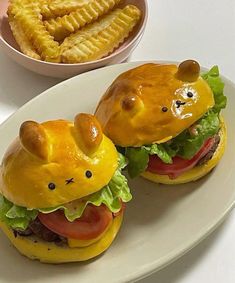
column 176, row 30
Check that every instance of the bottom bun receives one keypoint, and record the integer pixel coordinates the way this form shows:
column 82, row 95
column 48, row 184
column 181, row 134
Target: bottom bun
column 49, row 252
column 196, row 172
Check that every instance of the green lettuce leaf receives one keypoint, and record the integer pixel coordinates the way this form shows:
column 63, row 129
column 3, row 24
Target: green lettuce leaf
column 16, row 217
column 122, row 161
column 187, row 145
column 163, row 151
column 216, row 84
column 138, row 159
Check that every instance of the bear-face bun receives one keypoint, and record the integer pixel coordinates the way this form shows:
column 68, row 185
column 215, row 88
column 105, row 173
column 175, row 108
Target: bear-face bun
column 153, row 103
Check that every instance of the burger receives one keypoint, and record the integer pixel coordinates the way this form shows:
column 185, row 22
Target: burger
column 62, row 191
column 166, row 120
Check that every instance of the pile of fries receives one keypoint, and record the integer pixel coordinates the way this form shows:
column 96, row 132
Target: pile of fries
column 70, row 31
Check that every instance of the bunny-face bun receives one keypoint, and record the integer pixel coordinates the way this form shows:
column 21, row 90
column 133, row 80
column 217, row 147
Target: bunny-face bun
column 57, row 162
column 62, row 190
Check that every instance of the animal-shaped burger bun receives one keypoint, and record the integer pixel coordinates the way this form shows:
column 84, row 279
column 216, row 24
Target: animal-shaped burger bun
column 60, row 201
column 153, row 111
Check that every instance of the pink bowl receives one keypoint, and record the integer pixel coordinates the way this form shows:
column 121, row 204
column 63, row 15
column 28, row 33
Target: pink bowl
column 59, row 70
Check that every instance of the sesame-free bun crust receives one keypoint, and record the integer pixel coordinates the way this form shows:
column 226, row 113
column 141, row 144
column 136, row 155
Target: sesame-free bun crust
column 131, row 112
column 49, row 252
column 55, row 152
column 196, row 172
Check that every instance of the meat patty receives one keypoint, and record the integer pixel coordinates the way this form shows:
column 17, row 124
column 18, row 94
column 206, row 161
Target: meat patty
column 210, row 153
column 42, row 231
column 38, row 229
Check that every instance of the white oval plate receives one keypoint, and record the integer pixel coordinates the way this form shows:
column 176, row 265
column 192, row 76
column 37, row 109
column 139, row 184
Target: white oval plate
column 161, row 223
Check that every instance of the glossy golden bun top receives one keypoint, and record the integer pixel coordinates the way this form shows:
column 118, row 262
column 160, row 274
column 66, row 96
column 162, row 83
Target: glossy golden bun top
column 153, row 103
column 56, row 162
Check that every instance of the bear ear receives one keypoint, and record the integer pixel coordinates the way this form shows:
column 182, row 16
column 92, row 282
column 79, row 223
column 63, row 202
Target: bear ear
column 88, row 133
column 33, row 139
column 132, row 104
column 188, row 71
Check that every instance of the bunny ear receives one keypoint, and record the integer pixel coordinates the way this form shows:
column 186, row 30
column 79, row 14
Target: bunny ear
column 188, row 71
column 88, row 131
column 33, row 139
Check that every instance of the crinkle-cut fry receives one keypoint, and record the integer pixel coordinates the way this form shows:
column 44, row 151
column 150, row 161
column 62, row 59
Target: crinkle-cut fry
column 24, row 43
column 60, row 8
column 61, row 27
column 87, row 32
column 93, row 42
column 16, row 5
column 30, row 21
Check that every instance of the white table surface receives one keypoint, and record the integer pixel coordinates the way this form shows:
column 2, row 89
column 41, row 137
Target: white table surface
column 176, row 30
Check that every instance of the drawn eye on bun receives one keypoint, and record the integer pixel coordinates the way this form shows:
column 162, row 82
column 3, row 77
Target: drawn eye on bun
column 51, row 186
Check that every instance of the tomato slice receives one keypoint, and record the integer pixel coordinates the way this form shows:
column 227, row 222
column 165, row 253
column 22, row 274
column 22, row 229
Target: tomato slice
column 179, row 165
column 92, row 223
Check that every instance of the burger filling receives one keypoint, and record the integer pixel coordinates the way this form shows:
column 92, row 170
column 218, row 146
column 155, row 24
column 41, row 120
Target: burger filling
column 192, row 147
column 80, row 222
